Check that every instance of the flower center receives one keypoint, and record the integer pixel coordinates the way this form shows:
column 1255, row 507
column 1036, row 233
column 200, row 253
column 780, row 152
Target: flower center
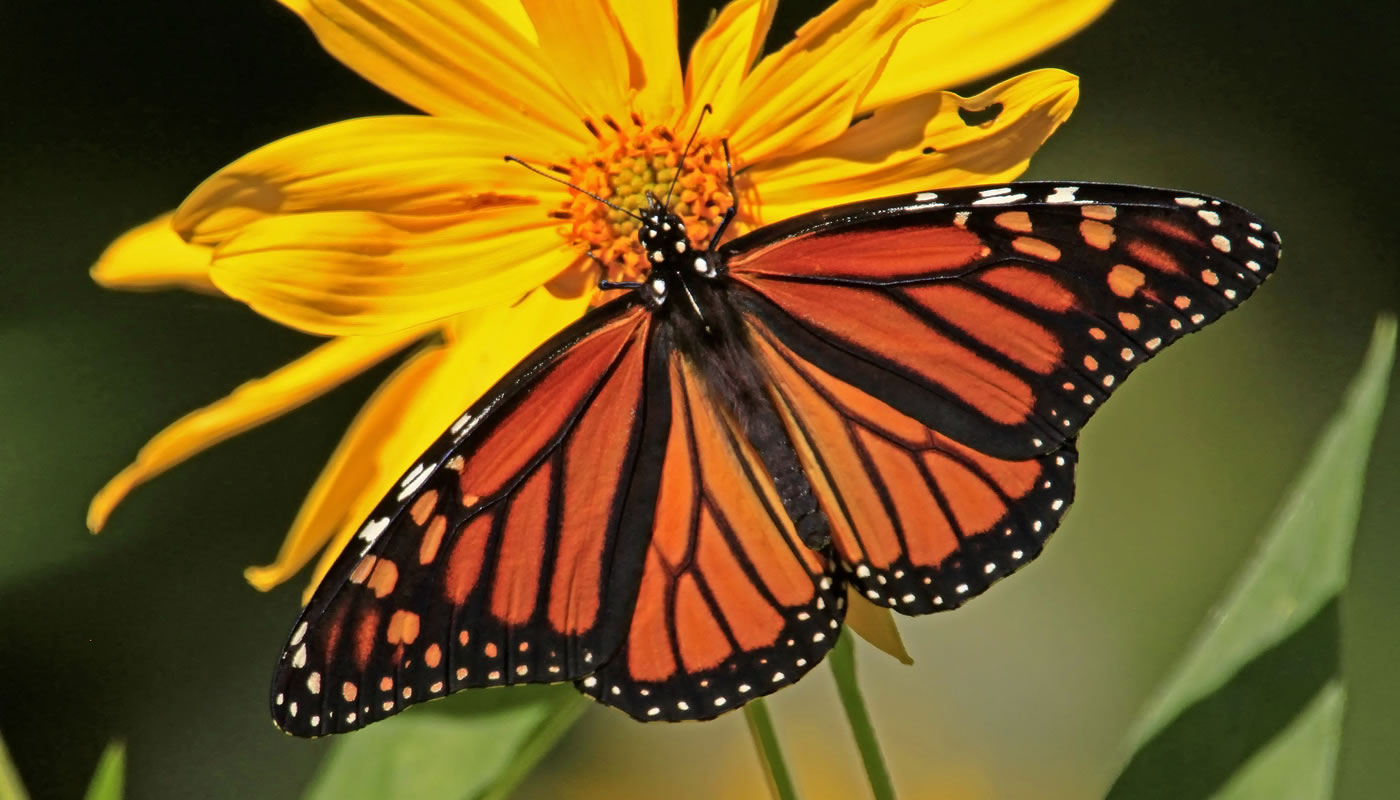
column 624, row 169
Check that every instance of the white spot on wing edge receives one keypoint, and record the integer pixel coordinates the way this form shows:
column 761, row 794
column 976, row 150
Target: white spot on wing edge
column 300, row 632
column 995, row 192
column 925, row 197
column 997, row 200
column 371, row 531
column 415, row 479
column 1062, row 194
column 1193, row 202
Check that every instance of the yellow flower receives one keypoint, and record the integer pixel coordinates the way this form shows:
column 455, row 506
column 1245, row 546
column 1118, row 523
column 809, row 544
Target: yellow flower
column 385, row 231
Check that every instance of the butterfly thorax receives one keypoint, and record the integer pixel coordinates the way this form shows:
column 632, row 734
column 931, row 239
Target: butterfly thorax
column 672, row 259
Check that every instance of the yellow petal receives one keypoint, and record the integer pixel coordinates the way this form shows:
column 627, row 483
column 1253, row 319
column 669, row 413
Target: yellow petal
column 419, row 166
column 979, row 38
column 721, row 58
column 400, row 423
column 875, row 625
column 248, row 406
column 350, row 272
column 806, row 93
column 393, row 165
column 886, row 154
column 650, row 30
column 153, row 256
column 582, row 45
column 448, row 58
column 342, row 489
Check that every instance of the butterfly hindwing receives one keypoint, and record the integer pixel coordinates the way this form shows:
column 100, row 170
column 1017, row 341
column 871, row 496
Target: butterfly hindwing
column 731, row 605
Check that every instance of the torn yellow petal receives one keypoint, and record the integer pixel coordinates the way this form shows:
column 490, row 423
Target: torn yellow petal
column 875, row 625
column 248, row 406
column 806, row 93
column 582, row 45
column 482, row 347
column 448, row 58
column 922, row 143
column 153, row 256
column 393, row 165
column 649, row 27
column 979, row 38
column 349, row 272
column 721, row 58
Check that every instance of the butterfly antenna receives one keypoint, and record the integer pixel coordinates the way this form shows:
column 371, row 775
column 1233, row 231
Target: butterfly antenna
column 703, row 111
column 580, row 190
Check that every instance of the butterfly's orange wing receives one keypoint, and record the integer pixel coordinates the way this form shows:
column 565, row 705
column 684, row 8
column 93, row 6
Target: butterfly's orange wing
column 935, row 357
column 509, row 554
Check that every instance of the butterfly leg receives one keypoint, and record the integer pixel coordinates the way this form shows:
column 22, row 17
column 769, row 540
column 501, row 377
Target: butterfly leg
column 605, row 284
column 729, row 213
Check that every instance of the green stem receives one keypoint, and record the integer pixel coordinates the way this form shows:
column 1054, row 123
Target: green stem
column 770, row 754
column 843, row 666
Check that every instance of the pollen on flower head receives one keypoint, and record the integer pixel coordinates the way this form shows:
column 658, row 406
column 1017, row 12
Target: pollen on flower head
column 629, row 163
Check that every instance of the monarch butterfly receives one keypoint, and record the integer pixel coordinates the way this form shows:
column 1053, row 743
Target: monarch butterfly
column 667, row 501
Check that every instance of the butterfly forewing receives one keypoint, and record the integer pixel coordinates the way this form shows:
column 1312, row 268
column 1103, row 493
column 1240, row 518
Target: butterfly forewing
column 499, row 556
column 1002, row 317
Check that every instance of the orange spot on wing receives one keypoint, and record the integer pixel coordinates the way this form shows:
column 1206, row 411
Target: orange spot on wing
column 402, row 628
column 649, row 655
column 1036, row 248
column 1033, row 287
column 386, row 684
column 432, row 539
column 384, row 577
column 349, row 691
column 702, row 642
column 423, row 506
column 522, row 550
column 751, row 619
column 1209, row 277
column 465, row 561
column 1103, row 213
column 1129, row 320
column 490, row 649
column 432, row 656
column 1018, row 221
column 1125, row 280
column 1097, row 234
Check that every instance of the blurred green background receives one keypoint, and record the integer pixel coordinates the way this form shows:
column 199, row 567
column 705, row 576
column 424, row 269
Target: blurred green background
column 112, row 111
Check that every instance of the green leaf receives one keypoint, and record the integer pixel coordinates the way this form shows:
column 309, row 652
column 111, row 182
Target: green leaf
column 110, row 774
column 11, row 787
column 1272, row 644
column 1301, row 764
column 475, row 746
